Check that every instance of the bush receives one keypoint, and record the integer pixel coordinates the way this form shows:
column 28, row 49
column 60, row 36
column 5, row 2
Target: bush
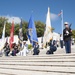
column 30, row 46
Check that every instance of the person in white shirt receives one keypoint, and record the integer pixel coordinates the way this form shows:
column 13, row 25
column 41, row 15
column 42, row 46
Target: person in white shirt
column 61, row 41
column 25, row 49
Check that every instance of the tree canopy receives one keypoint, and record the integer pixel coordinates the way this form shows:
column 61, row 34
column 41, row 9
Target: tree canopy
column 73, row 32
column 40, row 26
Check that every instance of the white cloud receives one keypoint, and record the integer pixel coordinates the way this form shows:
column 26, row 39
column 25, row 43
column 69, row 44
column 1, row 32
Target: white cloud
column 54, row 17
column 11, row 18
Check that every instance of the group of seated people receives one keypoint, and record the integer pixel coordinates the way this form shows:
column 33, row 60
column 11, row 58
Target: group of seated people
column 13, row 51
column 17, row 48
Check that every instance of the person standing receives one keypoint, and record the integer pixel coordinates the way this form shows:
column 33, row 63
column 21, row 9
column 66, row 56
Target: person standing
column 67, row 33
column 61, row 40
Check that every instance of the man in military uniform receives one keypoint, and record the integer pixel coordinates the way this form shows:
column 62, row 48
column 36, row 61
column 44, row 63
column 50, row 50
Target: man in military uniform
column 67, row 33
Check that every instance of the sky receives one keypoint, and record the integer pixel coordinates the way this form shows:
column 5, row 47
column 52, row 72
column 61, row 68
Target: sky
column 24, row 9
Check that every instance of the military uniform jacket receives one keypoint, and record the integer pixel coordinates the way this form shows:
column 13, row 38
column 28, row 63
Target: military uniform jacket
column 67, row 33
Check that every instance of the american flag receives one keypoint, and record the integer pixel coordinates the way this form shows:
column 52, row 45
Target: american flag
column 60, row 13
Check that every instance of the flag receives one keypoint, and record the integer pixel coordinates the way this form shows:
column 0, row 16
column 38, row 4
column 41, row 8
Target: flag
column 3, row 38
column 48, row 29
column 3, row 34
column 11, row 35
column 20, row 31
column 32, row 35
column 60, row 13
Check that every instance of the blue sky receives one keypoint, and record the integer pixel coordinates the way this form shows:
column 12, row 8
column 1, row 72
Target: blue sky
column 24, row 8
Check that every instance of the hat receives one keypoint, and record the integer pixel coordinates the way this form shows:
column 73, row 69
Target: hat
column 66, row 23
column 24, row 41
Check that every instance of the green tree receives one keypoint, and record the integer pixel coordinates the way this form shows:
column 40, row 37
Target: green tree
column 7, row 29
column 40, row 27
column 2, row 20
column 73, row 32
column 16, row 29
column 24, row 27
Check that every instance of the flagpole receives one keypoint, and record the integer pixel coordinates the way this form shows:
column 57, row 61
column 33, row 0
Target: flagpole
column 62, row 21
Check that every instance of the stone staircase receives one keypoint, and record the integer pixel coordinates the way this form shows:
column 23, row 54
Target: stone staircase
column 56, row 64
